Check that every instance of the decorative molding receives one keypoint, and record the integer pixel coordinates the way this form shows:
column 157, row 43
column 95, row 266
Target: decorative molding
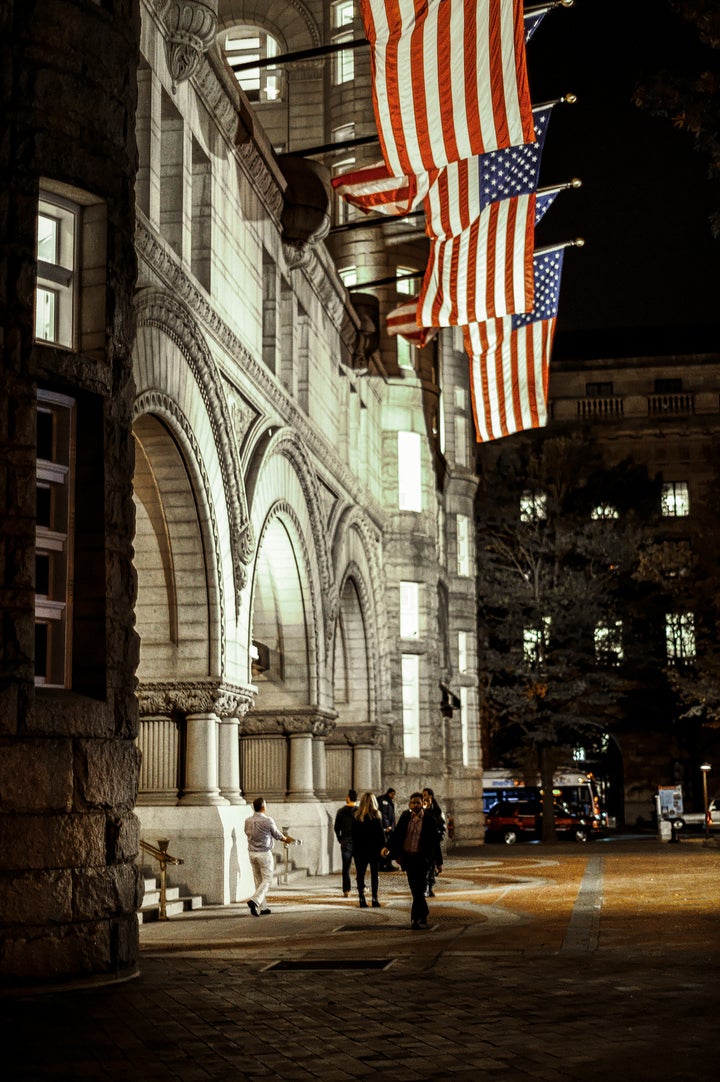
column 294, row 721
column 164, row 698
column 265, row 186
column 168, row 269
column 371, row 735
column 191, row 26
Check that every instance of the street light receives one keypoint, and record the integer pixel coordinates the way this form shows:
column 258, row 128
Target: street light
column 706, row 768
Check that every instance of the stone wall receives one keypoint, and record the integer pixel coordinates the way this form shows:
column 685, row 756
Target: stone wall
column 68, row 763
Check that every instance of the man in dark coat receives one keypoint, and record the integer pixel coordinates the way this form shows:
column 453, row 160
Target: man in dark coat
column 343, row 833
column 386, row 803
column 415, row 845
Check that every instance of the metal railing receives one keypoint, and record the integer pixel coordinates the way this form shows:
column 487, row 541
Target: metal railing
column 160, row 853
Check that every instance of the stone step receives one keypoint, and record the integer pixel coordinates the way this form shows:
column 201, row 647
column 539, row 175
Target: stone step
column 151, row 911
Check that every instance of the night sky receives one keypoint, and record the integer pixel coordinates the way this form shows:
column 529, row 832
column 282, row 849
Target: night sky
column 648, row 278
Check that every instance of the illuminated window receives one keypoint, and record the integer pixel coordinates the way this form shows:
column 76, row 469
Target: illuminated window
column 411, row 705
column 465, row 726
column 409, row 610
column 344, row 211
column 675, row 499
column 244, row 44
column 343, row 62
column 348, row 276
column 405, row 285
column 608, row 643
column 680, row 636
column 53, row 537
column 461, row 440
column 405, row 354
column 604, row 510
column 462, row 651
column 463, row 545
column 57, row 257
column 535, row 642
column 409, row 471
column 533, row 506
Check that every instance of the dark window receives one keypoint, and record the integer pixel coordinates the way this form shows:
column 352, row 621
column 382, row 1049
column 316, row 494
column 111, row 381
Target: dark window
column 599, row 390
column 668, row 386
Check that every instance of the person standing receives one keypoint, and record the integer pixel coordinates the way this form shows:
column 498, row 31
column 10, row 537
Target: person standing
column 368, row 838
column 343, row 833
column 262, row 831
column 431, row 805
column 386, row 803
column 415, row 845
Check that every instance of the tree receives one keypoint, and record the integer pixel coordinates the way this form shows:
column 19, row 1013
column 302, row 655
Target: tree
column 558, row 542
column 690, row 98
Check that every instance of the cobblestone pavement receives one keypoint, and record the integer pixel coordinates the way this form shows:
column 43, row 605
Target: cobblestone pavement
column 575, row 964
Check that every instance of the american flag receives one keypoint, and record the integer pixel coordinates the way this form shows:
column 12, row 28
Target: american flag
column 402, row 320
column 449, row 79
column 485, row 271
column 371, row 187
column 510, row 359
column 464, row 189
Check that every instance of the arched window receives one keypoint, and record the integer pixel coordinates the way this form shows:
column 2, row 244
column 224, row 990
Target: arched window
column 242, row 45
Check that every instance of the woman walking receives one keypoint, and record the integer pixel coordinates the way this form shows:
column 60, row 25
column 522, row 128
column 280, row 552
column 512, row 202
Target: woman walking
column 368, row 838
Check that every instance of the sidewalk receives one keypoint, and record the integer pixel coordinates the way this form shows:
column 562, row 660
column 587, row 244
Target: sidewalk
column 570, row 963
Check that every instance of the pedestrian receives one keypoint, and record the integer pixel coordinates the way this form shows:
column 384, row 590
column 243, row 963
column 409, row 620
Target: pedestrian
column 343, row 833
column 386, row 803
column 262, row 831
column 431, row 805
column 415, row 845
column 368, row 839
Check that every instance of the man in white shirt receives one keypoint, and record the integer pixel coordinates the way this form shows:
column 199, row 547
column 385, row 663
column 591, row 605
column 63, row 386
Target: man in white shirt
column 262, row 831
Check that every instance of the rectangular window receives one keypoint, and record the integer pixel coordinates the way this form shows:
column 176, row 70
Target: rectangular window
column 465, row 726
column 608, row 643
column 411, row 705
column 404, row 285
column 599, row 390
column 462, row 651
column 409, row 472
column 55, row 442
column 675, row 500
column 533, row 506
column 668, row 386
column 348, row 276
column 57, row 262
column 463, row 545
column 343, row 62
column 461, row 440
column 680, row 636
column 409, row 610
column 405, row 354
column 535, row 642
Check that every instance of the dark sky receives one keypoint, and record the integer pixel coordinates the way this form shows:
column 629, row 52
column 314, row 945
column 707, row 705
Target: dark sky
column 649, row 274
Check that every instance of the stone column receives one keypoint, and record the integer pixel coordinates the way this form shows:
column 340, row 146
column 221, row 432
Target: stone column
column 263, row 765
column 319, row 767
column 201, row 766
column 363, row 772
column 158, row 742
column 229, row 760
column 301, row 767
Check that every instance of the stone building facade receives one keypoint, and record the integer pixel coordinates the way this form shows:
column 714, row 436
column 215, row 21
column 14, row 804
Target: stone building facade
column 237, row 555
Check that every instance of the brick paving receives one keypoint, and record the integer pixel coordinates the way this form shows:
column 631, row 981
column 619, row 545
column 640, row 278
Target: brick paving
column 564, row 964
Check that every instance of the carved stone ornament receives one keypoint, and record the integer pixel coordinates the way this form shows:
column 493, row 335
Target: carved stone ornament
column 360, row 735
column 315, row 720
column 191, row 26
column 165, row 698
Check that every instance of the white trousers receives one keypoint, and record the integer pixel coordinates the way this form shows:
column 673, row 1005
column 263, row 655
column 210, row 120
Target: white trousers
column 263, row 866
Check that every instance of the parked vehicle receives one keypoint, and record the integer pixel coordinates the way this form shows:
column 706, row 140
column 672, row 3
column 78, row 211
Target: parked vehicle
column 696, row 820
column 513, row 821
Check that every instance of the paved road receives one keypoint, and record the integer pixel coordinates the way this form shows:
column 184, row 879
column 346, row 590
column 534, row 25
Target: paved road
column 575, row 964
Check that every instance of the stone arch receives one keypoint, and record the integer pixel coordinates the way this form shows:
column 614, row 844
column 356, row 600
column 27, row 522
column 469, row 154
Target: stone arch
column 355, row 550
column 288, row 20
column 285, row 516
column 168, row 347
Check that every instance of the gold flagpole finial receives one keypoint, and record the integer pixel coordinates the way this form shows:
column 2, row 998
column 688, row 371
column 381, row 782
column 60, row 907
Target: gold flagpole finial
column 579, row 242
column 576, row 182
column 569, row 99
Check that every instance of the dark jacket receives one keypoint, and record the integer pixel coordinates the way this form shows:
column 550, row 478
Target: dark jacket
column 387, row 810
column 368, row 838
column 343, row 824
column 429, row 850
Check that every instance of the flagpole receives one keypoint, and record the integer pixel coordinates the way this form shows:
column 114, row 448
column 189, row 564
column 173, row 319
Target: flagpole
column 384, row 281
column 579, row 242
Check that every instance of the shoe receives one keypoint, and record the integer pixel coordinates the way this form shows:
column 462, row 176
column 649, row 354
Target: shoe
column 346, row 894
column 363, row 903
column 252, row 906
column 264, row 912
column 429, row 893
column 419, row 925
column 375, row 903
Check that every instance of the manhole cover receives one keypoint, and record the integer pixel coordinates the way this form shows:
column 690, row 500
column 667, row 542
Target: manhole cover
column 332, row 963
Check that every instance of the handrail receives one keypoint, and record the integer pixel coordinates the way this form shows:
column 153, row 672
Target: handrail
column 161, row 854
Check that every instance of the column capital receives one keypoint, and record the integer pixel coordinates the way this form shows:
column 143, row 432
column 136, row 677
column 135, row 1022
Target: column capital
column 314, row 720
column 163, row 698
